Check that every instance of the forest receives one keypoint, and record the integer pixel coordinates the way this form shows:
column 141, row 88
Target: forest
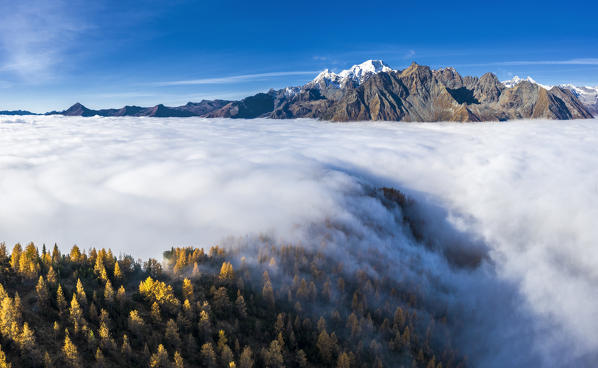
column 252, row 305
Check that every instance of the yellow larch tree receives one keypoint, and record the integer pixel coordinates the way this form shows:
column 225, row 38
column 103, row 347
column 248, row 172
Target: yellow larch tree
column 15, row 256
column 70, row 352
column 187, row 289
column 81, row 296
column 3, row 362
column 60, row 300
column 51, row 276
column 160, row 358
column 75, row 254
column 226, row 271
column 108, row 292
column 117, row 272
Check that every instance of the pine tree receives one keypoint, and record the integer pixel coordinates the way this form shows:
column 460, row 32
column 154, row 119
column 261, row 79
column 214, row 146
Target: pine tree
column 121, row 296
column 117, row 272
column 273, row 356
column 135, row 323
column 301, row 358
column 178, row 360
column 3, row 362
column 71, row 354
column 172, row 333
column 344, row 361
column 208, row 355
column 268, row 293
column 240, row 305
column 246, row 359
column 42, row 292
column 187, row 309
column 15, row 257
column 28, row 262
column 26, row 340
column 81, row 296
column 3, row 254
column 160, row 358
column 126, row 347
column 205, row 326
column 100, row 363
column 75, row 254
column 406, row 337
column 76, row 314
column 226, row 271
column 187, row 289
column 156, row 315
column 104, row 333
column 226, row 356
column 48, row 363
column 195, row 273
column 7, row 317
column 60, row 300
column 324, row 345
column 51, row 276
column 17, row 307
column 56, row 256
column 108, row 292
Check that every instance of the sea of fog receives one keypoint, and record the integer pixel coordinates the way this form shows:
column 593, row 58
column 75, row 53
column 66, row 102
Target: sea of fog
column 525, row 192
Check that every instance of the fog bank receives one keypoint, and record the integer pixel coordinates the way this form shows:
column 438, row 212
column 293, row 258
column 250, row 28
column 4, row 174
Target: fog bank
column 526, row 191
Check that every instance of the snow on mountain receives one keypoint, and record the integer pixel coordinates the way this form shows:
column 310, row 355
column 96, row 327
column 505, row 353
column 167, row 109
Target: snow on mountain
column 586, row 94
column 357, row 74
column 516, row 80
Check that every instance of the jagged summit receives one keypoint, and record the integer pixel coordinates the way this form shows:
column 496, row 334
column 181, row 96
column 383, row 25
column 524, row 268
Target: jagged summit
column 357, row 74
column 516, row 80
column 373, row 90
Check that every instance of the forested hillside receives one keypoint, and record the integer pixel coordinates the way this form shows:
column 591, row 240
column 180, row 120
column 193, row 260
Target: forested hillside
column 262, row 306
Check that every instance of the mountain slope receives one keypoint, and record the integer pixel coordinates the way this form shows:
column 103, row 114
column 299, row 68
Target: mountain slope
column 587, row 95
column 374, row 91
column 421, row 94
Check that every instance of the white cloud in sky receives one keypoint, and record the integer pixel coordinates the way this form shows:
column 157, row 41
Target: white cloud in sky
column 35, row 35
column 528, row 190
column 235, row 78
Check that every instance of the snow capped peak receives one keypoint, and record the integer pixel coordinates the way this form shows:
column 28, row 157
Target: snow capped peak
column 516, row 80
column 587, row 95
column 357, row 74
column 360, row 72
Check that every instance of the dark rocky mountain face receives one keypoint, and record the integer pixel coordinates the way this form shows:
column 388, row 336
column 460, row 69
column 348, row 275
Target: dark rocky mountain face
column 421, row 94
column 414, row 94
column 248, row 108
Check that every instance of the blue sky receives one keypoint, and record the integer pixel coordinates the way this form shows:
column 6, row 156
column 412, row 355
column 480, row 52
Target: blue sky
column 112, row 53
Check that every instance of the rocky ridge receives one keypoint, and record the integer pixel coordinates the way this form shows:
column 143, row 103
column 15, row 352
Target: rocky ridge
column 374, row 91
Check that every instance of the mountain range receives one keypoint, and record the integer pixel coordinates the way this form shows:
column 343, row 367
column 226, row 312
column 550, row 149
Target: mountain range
column 374, row 91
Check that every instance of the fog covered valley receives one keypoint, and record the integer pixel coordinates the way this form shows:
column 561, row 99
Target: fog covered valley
column 478, row 240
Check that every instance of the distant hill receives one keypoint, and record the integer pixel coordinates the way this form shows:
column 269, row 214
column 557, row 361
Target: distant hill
column 16, row 112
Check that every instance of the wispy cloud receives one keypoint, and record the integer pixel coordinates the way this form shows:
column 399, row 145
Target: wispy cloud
column 409, row 54
column 578, row 61
column 234, row 78
column 35, row 35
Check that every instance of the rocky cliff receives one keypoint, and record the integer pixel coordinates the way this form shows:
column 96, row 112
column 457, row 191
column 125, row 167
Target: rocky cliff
column 374, row 91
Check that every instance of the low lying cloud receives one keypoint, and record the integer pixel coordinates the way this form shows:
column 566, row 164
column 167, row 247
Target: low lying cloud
column 522, row 194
